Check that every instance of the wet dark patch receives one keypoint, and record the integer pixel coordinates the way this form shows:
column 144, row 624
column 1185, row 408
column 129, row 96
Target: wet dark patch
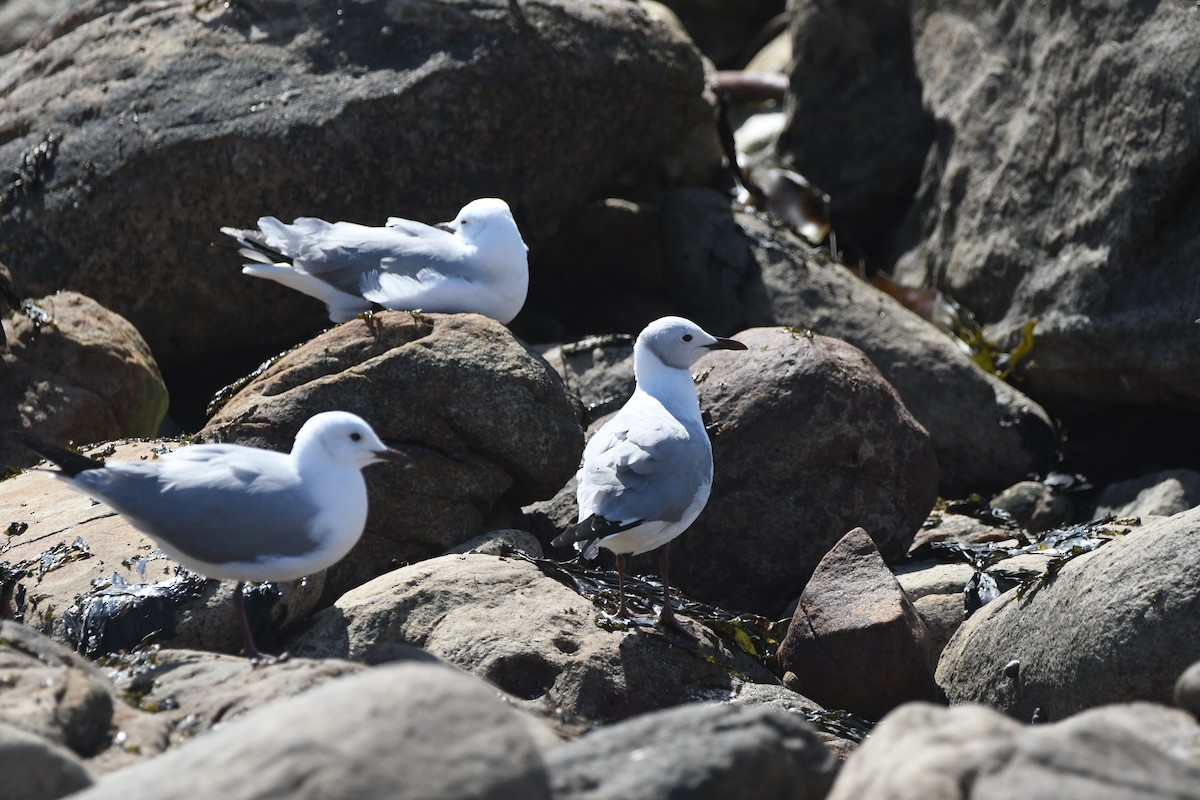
column 121, row 616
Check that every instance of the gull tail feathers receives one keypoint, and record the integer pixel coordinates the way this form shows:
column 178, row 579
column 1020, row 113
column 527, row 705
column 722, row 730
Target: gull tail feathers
column 587, row 533
column 69, row 462
column 254, row 246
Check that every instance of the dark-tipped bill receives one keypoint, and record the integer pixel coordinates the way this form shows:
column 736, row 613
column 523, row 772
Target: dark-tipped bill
column 395, row 456
column 726, row 344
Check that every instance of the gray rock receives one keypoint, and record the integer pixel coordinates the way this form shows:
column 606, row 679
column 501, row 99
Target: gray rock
column 969, row 752
column 87, row 578
column 489, row 424
column 532, row 636
column 936, row 591
column 962, row 529
column 501, row 543
column 856, row 642
column 397, row 732
column 784, row 699
column 1187, row 690
column 853, row 62
column 192, row 692
column 1158, row 494
column 295, row 112
column 731, row 270
column 598, row 370
column 1113, row 625
column 50, row 693
column 1035, row 506
column 1060, row 190
column 21, row 20
column 79, row 373
column 36, row 769
column 699, row 751
column 808, row 441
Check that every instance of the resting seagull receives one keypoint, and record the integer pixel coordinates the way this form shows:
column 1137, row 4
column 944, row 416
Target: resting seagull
column 241, row 513
column 647, row 473
column 476, row 263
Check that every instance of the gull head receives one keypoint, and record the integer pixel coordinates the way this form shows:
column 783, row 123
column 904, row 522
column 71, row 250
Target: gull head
column 345, row 439
column 679, row 343
column 488, row 223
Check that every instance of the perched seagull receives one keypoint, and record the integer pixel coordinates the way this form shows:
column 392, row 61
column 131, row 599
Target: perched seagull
column 478, row 262
column 241, row 513
column 647, row 473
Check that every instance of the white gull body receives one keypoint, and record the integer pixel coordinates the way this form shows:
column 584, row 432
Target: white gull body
column 476, row 263
column 647, row 473
column 242, row 513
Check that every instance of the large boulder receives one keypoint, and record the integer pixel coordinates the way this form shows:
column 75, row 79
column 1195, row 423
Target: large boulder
column 856, row 641
column 75, row 371
column 927, row 752
column 507, row 621
column 1055, row 184
column 809, row 441
column 703, row 751
column 1113, row 625
column 401, row 732
column 489, row 424
column 732, row 269
column 296, row 108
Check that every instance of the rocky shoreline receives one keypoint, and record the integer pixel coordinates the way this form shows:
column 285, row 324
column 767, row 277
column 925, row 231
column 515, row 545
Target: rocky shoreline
column 914, row 578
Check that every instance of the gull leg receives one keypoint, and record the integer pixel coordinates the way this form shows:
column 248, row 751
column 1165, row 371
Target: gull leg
column 623, row 612
column 669, row 620
column 249, row 648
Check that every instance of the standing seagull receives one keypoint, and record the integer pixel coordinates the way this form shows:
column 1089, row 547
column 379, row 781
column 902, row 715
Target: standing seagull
column 240, row 513
column 648, row 471
column 476, row 263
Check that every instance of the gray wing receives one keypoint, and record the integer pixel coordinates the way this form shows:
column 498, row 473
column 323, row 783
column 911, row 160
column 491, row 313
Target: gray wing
column 215, row 503
column 352, row 257
column 643, row 467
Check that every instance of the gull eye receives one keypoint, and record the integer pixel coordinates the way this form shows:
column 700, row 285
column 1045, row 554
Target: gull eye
column 356, row 436
column 687, row 337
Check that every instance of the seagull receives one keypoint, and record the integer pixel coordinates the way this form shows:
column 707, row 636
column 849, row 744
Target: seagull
column 241, row 513
column 478, row 262
column 647, row 473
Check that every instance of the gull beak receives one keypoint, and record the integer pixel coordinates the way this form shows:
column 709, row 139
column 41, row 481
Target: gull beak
column 395, row 456
column 726, row 344
column 445, row 226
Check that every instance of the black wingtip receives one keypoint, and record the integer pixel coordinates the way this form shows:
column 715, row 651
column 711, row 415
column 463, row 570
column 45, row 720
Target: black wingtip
column 594, row 527
column 69, row 462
